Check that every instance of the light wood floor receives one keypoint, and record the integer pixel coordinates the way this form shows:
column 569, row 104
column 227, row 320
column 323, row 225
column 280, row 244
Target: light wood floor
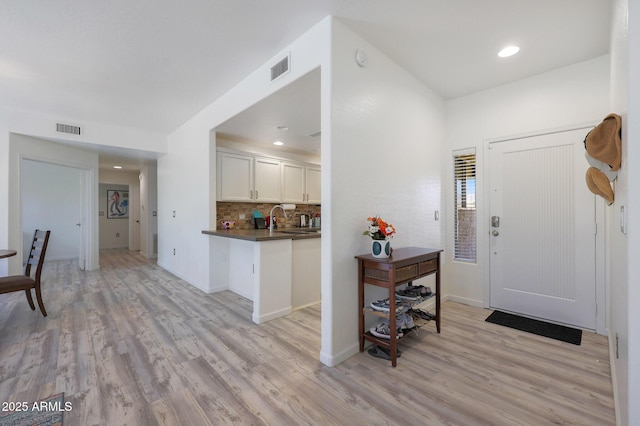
column 132, row 344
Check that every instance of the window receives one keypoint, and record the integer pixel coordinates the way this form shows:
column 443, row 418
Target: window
column 464, row 177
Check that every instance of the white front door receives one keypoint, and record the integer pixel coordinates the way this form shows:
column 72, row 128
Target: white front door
column 543, row 229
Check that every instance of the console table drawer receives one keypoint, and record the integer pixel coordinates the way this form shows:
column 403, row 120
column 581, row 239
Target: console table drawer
column 401, row 274
column 407, row 273
column 428, row 266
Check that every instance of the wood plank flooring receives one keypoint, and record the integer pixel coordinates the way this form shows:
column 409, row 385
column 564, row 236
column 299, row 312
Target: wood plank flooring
column 131, row 344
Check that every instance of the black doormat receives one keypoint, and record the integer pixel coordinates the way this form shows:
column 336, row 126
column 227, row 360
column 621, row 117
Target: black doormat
column 541, row 328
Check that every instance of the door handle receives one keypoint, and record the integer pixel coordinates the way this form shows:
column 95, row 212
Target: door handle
column 495, row 233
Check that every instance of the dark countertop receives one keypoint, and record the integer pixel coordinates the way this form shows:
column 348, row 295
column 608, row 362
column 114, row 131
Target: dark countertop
column 263, row 234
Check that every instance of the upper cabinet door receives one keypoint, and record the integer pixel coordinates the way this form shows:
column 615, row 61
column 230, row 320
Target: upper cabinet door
column 314, row 188
column 293, row 189
column 267, row 180
column 236, row 177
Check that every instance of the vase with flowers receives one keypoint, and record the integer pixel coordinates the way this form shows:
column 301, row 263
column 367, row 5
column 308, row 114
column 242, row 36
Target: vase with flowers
column 380, row 232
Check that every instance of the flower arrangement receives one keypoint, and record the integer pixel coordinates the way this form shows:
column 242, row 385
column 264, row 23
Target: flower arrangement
column 379, row 229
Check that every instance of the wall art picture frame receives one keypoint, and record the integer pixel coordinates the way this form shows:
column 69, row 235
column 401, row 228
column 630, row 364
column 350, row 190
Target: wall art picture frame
column 117, row 204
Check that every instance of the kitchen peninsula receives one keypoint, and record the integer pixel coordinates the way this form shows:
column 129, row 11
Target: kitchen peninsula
column 279, row 271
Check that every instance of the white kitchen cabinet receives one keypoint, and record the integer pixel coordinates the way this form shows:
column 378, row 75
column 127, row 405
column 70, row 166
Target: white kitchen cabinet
column 300, row 184
column 293, row 188
column 249, row 178
column 236, row 177
column 314, row 192
column 267, row 182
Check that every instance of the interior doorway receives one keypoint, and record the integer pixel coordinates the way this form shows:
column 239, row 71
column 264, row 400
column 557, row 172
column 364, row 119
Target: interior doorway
column 55, row 197
column 137, row 228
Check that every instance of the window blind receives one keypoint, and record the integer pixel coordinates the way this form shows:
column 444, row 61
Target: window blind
column 464, row 177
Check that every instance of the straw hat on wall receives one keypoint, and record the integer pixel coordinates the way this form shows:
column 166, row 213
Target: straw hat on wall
column 604, row 154
column 604, row 142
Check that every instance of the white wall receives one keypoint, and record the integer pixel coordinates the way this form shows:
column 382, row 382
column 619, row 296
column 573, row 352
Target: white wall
column 186, row 175
column 577, row 94
column 631, row 146
column 624, row 250
column 51, row 196
column 382, row 156
column 114, row 233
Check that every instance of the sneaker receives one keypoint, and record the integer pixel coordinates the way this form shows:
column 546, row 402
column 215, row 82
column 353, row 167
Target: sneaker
column 384, row 353
column 383, row 305
column 387, row 352
column 422, row 314
column 414, row 292
column 377, row 352
column 404, row 321
column 383, row 331
column 407, row 294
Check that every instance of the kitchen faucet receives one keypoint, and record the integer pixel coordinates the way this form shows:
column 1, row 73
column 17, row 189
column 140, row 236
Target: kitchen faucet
column 283, row 207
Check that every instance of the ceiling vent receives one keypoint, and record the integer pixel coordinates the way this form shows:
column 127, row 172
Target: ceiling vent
column 68, row 128
column 315, row 134
column 281, row 68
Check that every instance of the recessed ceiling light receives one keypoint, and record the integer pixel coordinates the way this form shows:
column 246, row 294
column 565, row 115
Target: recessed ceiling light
column 282, row 128
column 508, row 51
column 117, row 167
column 278, row 143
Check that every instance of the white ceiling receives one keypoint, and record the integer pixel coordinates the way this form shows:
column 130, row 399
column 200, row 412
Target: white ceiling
column 295, row 106
column 153, row 64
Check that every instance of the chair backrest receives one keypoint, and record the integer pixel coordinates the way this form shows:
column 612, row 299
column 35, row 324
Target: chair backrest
column 37, row 252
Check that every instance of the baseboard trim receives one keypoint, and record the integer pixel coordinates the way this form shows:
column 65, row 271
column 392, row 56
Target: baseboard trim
column 306, row 305
column 271, row 315
column 464, row 301
column 333, row 360
column 614, row 380
column 204, row 289
column 57, row 258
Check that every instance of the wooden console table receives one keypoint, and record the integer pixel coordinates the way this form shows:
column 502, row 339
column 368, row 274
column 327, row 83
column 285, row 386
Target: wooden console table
column 404, row 265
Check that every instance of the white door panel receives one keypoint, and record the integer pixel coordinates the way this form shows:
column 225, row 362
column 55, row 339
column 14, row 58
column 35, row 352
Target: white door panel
column 543, row 256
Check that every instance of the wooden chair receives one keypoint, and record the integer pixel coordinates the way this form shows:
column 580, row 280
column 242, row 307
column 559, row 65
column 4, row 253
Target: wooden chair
column 25, row 282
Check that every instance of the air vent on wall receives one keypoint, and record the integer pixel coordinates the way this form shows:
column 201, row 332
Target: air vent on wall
column 67, row 128
column 280, row 68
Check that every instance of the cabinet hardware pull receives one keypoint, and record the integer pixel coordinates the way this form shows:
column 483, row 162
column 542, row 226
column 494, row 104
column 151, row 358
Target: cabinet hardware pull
column 256, row 194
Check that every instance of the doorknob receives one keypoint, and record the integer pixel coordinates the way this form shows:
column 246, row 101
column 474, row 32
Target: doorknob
column 77, row 224
column 495, row 233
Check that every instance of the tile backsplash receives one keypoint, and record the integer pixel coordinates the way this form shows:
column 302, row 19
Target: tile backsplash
column 233, row 210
